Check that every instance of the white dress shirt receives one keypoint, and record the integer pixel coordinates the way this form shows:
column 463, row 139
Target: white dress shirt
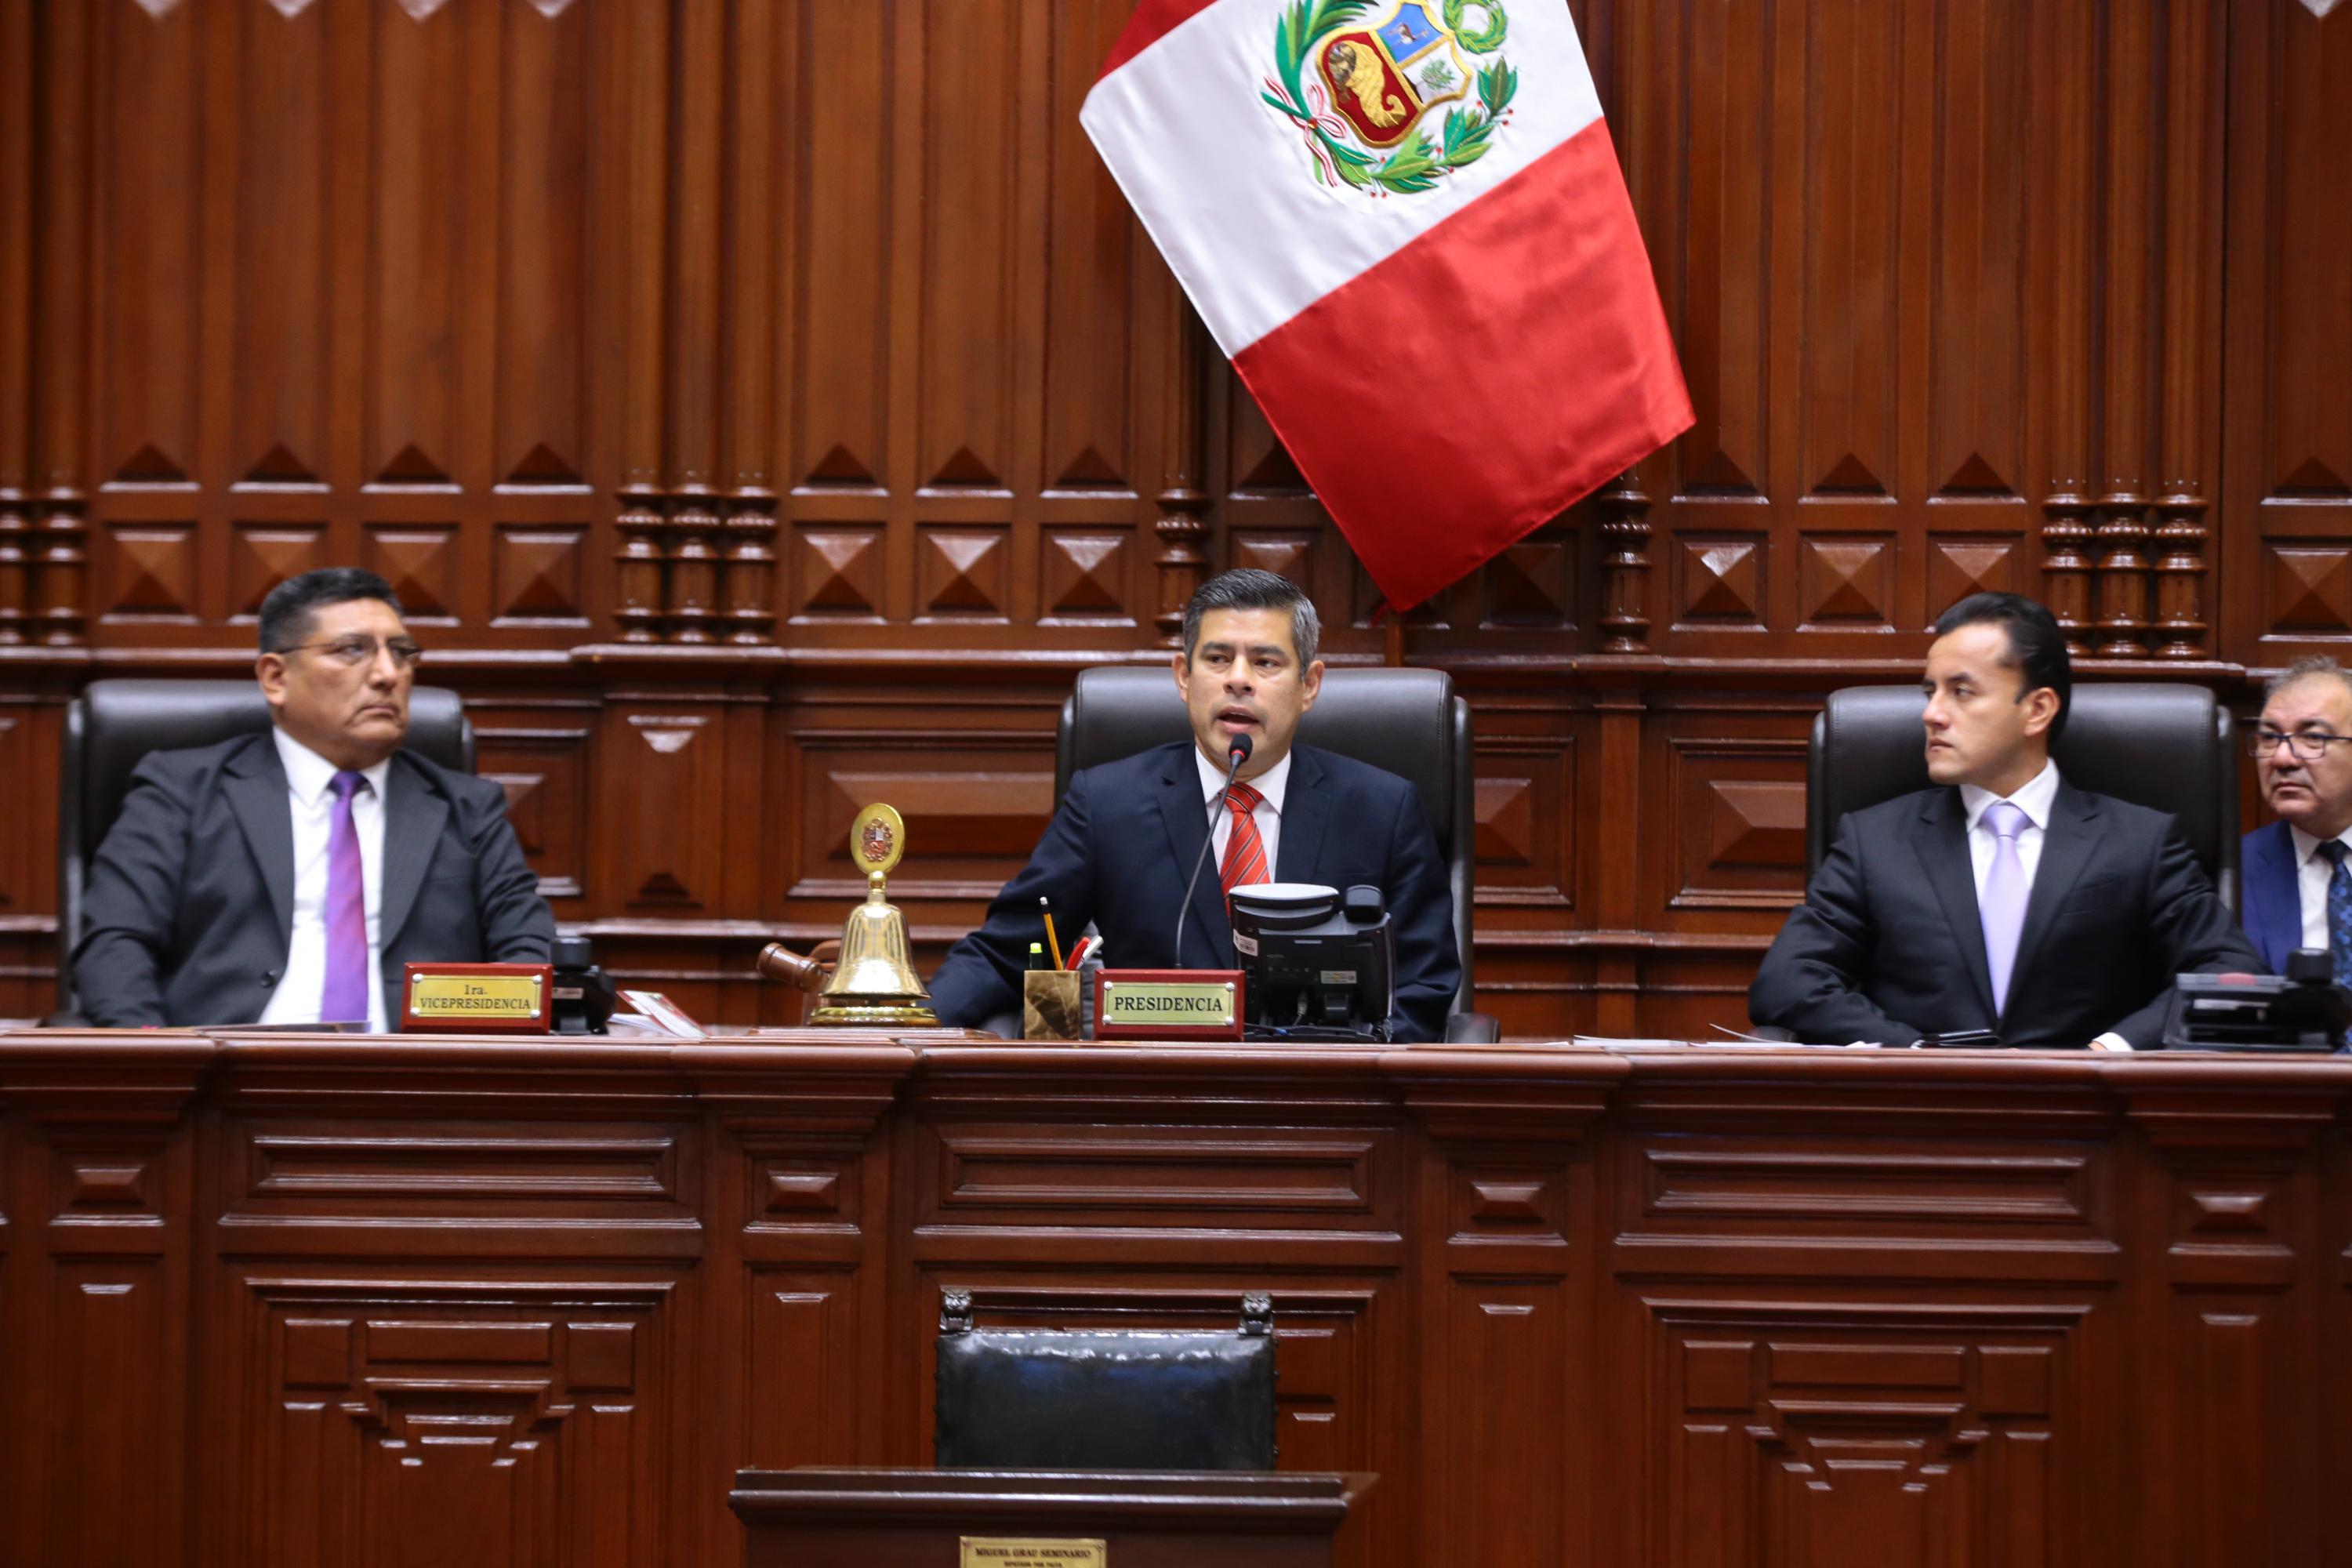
column 2034, row 797
column 1272, row 784
column 2311, row 872
column 310, row 795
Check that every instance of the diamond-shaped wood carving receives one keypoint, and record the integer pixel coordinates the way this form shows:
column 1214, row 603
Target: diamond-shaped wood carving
column 151, row 466
column 961, row 571
column 1844, row 581
column 1969, row 563
column 1290, row 556
column 535, row 576
column 838, row 569
column 2311, row 587
column 1505, row 812
column 280, row 467
column 1976, row 476
column 1529, row 584
column 1756, row 822
column 1084, row 572
column 264, row 554
column 1722, row 580
column 421, row 565
column 154, row 569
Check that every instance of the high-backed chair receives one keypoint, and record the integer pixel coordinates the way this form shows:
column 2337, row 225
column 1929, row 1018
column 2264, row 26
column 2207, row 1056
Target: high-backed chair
column 2170, row 747
column 1408, row 722
column 1105, row 1399
column 114, row 723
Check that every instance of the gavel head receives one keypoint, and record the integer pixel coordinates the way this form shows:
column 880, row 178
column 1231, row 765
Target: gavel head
column 778, row 962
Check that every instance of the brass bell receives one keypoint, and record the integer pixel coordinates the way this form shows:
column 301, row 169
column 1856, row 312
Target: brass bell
column 874, row 980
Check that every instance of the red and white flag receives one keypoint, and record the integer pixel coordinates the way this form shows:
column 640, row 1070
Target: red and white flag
column 1404, row 222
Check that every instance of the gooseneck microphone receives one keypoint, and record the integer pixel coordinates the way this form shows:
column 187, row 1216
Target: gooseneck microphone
column 1237, row 752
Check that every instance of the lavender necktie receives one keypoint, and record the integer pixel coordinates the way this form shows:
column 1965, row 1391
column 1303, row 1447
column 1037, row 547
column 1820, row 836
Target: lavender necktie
column 2003, row 904
column 344, row 998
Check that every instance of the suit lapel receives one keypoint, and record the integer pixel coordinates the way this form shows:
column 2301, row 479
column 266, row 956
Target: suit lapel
column 256, row 788
column 413, row 813
column 1942, row 842
column 2067, row 845
column 2273, row 895
column 1184, row 809
column 1305, row 809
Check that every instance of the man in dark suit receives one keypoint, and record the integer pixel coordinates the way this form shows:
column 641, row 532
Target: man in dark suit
column 285, row 877
column 2298, row 887
column 2003, row 898
column 1128, row 834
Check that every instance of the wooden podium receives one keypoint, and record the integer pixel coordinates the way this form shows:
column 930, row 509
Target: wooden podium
column 818, row 1517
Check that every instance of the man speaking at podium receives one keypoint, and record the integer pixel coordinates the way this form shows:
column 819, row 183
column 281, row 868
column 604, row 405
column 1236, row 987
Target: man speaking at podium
column 1128, row 833
column 285, row 877
column 2005, row 898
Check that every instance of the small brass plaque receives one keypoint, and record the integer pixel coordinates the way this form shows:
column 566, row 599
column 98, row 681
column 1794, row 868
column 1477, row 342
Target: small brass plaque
column 1134, row 1004
column 474, row 999
column 1028, row 1551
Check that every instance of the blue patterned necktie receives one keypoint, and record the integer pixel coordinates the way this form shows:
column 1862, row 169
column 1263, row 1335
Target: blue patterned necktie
column 2339, row 911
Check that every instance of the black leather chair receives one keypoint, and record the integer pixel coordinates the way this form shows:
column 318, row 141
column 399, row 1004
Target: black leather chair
column 2172, row 747
column 1406, row 721
column 114, row 723
column 1102, row 1399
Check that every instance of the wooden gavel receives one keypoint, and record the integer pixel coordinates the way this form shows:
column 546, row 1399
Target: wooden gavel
column 778, row 962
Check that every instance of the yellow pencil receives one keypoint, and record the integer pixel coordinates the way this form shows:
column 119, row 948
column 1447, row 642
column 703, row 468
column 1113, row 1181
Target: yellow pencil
column 1052, row 943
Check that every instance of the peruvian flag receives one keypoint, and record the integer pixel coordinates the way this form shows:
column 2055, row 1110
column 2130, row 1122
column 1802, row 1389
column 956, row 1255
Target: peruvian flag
column 1404, row 222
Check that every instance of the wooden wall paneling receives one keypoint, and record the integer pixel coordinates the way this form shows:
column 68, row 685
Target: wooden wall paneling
column 633, row 133
column 799, row 1212
column 761, row 185
column 2232, row 1221
column 693, row 220
column 2286, row 522
column 67, row 62
column 1809, row 1376
column 2062, row 258
column 1503, row 1203
column 97, row 1319
column 1306, row 1201
column 19, row 175
column 2125, row 400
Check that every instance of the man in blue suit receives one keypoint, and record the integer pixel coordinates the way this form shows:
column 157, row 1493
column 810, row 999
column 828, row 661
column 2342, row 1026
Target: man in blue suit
column 2298, row 888
column 1128, row 833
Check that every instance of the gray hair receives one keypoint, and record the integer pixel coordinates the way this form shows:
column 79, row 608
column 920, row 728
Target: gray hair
column 1248, row 588
column 2304, row 669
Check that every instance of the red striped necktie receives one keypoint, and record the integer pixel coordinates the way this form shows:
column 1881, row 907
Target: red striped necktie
column 1245, row 861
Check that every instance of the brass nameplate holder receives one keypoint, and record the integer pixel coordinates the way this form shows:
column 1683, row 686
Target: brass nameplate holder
column 1034, row 1552
column 874, row 982
column 476, row 998
column 1167, row 1005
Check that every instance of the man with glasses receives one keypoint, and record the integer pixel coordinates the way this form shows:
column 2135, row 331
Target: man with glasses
column 2298, row 887
column 2005, row 898
column 285, row 877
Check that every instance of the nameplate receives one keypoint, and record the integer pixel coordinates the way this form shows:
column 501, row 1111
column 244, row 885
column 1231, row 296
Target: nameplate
column 476, row 998
column 1029, row 1551
column 1167, row 1005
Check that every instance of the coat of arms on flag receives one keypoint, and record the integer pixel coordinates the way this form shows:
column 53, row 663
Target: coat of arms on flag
column 1358, row 86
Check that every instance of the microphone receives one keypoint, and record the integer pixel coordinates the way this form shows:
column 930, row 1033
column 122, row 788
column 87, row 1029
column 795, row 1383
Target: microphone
column 1237, row 752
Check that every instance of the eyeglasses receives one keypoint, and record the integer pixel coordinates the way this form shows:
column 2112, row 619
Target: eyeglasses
column 2308, row 745
column 354, row 651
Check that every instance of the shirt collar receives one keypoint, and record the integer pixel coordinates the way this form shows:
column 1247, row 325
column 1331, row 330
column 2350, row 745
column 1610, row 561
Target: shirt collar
column 309, row 776
column 2034, row 797
column 2305, row 846
column 1271, row 784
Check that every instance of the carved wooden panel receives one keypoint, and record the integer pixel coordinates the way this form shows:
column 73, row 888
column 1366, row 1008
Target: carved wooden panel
column 2287, row 528
column 1795, row 1431
column 415, row 1421
column 545, row 768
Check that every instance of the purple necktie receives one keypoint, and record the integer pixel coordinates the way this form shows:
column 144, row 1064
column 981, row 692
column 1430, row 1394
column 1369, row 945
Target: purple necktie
column 344, row 998
column 2002, row 905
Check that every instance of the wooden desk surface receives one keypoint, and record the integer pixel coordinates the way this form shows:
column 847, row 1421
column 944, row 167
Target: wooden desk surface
column 327, row 1298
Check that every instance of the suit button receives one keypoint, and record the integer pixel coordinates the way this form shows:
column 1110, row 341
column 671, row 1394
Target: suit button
column 270, row 978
